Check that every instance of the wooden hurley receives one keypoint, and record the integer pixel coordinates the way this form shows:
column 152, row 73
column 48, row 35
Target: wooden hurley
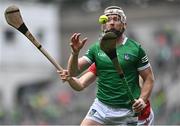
column 14, row 18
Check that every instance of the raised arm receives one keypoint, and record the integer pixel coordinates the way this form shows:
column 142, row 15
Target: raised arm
column 75, row 65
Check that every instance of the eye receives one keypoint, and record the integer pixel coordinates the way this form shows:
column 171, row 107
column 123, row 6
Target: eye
column 116, row 19
column 109, row 19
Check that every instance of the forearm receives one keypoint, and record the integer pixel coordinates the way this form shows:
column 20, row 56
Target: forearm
column 73, row 64
column 75, row 84
column 147, row 88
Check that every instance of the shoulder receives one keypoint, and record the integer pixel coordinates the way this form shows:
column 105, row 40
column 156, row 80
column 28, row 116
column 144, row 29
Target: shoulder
column 94, row 46
column 133, row 43
column 96, row 43
column 92, row 51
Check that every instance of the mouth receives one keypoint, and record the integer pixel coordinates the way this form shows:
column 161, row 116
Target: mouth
column 111, row 30
column 117, row 32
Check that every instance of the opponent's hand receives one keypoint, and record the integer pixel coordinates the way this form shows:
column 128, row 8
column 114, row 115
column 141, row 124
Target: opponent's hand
column 76, row 44
column 64, row 75
column 138, row 105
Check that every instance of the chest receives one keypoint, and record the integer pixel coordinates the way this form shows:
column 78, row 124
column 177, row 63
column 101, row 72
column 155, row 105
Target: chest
column 127, row 58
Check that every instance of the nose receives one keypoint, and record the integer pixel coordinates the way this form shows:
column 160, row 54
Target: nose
column 111, row 22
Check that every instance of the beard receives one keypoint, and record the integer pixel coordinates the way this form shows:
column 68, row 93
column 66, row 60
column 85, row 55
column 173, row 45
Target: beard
column 117, row 32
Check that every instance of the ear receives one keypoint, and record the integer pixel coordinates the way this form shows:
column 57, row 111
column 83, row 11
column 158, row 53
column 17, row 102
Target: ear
column 125, row 25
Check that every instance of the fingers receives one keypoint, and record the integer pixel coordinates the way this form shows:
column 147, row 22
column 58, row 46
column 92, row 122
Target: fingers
column 138, row 105
column 64, row 75
column 76, row 44
column 83, row 42
column 75, row 37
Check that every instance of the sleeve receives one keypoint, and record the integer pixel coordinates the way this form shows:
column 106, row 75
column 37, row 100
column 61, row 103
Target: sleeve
column 92, row 69
column 90, row 54
column 143, row 61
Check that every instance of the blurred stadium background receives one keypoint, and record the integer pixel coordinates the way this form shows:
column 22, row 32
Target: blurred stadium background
column 31, row 92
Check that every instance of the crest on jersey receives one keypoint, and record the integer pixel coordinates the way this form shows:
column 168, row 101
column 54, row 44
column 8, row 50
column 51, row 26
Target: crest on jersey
column 126, row 56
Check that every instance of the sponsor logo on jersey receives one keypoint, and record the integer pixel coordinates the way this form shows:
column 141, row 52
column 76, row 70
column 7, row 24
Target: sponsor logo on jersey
column 101, row 54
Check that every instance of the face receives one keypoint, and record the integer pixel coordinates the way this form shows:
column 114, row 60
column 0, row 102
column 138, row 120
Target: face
column 114, row 22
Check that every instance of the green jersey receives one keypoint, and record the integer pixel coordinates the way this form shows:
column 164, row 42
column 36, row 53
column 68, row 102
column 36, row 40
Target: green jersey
column 111, row 90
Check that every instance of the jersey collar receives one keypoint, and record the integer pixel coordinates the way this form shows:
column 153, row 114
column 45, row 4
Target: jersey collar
column 125, row 39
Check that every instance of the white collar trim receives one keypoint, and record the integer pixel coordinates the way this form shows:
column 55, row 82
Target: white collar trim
column 124, row 41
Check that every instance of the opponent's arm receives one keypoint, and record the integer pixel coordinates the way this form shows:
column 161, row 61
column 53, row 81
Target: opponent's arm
column 78, row 84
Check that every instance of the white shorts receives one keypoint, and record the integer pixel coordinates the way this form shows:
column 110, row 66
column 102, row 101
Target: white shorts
column 107, row 115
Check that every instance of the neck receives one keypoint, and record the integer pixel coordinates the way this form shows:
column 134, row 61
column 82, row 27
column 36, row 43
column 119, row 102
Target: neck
column 120, row 39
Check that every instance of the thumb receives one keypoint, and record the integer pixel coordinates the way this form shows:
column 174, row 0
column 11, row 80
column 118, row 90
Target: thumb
column 84, row 41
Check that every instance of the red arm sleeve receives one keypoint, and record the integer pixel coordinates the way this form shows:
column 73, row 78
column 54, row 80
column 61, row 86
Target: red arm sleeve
column 92, row 68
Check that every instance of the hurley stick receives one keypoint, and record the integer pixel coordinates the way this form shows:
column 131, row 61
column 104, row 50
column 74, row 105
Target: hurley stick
column 14, row 18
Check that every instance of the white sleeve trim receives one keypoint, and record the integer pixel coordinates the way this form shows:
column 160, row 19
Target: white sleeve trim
column 87, row 59
column 144, row 67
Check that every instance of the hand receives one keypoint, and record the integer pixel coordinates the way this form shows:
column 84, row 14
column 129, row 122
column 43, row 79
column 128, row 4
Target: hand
column 138, row 105
column 76, row 44
column 64, row 75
